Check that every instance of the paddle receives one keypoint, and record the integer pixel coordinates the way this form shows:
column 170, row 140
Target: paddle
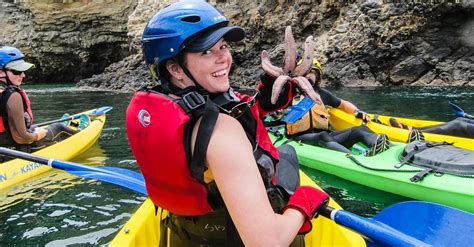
column 458, row 111
column 119, row 176
column 408, row 223
column 297, row 111
column 97, row 112
column 414, row 223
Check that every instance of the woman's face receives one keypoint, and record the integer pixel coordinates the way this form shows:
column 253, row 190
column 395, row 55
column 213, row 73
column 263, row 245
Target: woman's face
column 16, row 77
column 211, row 68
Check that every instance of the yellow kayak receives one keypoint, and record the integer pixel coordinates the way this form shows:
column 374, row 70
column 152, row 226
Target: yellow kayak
column 15, row 171
column 342, row 120
column 143, row 229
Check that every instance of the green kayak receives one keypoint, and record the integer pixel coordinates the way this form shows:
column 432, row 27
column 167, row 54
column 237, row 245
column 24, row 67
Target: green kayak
column 383, row 172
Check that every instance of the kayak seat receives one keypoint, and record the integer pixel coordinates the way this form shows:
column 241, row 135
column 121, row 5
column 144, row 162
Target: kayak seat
column 440, row 157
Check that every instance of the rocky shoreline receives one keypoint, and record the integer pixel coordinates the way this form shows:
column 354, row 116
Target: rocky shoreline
column 96, row 43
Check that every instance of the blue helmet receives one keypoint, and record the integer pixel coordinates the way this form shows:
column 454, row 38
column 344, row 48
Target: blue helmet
column 174, row 27
column 9, row 54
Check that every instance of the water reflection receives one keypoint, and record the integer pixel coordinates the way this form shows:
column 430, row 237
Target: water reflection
column 59, row 209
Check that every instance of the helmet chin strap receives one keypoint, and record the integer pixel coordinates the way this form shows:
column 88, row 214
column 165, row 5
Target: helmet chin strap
column 225, row 99
column 7, row 79
column 189, row 75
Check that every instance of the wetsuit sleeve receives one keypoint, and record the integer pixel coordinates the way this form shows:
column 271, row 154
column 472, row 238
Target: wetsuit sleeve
column 327, row 97
column 265, row 94
column 16, row 120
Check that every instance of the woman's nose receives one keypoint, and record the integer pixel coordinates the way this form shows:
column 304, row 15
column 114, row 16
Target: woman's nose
column 222, row 56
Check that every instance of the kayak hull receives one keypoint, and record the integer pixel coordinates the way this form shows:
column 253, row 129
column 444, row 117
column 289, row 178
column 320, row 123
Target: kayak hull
column 341, row 120
column 16, row 171
column 143, row 229
column 447, row 189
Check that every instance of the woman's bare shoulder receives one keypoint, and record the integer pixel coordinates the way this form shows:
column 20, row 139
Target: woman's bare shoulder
column 15, row 101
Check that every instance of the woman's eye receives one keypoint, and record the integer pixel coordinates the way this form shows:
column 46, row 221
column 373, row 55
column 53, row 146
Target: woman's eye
column 224, row 47
column 206, row 52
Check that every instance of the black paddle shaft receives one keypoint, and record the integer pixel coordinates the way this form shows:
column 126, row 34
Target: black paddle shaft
column 56, row 121
column 22, row 155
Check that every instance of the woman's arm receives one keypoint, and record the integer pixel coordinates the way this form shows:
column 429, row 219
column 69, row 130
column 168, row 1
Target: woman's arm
column 16, row 120
column 352, row 109
column 347, row 106
column 230, row 158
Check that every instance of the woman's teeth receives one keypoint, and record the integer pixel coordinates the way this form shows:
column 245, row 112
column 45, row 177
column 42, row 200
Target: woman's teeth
column 219, row 73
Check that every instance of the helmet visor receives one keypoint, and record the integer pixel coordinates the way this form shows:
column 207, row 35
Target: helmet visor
column 19, row 65
column 209, row 39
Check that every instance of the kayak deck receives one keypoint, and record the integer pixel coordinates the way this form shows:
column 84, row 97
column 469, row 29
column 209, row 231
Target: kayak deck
column 342, row 120
column 143, row 229
column 380, row 173
column 15, row 171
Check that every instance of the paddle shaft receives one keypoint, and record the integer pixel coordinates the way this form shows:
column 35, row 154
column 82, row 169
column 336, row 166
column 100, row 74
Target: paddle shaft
column 56, row 121
column 375, row 231
column 97, row 112
column 122, row 178
column 24, row 156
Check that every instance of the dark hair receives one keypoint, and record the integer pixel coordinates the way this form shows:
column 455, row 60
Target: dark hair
column 165, row 75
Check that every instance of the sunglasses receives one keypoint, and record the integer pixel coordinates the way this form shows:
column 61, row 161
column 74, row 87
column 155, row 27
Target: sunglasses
column 239, row 109
column 15, row 72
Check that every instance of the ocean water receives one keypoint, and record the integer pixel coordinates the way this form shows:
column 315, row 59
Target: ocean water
column 58, row 209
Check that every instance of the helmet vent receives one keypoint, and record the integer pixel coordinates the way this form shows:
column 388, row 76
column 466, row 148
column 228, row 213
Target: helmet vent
column 192, row 19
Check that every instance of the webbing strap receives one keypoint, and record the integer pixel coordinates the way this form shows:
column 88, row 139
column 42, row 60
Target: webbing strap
column 420, row 175
column 3, row 107
column 208, row 122
column 163, row 229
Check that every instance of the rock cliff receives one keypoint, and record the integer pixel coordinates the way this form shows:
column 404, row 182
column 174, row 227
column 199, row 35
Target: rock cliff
column 67, row 40
column 359, row 42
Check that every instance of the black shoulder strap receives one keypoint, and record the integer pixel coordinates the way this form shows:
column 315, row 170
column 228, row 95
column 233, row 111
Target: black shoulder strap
column 197, row 105
column 208, row 122
column 7, row 92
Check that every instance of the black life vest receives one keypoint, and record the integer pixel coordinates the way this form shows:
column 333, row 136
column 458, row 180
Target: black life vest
column 5, row 93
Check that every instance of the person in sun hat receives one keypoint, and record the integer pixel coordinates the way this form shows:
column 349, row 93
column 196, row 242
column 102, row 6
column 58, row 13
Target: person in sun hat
column 16, row 117
column 15, row 110
column 203, row 149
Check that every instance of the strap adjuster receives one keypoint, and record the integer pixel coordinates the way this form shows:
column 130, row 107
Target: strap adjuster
column 193, row 100
column 420, row 175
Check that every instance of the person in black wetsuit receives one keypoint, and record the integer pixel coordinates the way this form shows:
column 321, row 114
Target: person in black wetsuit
column 313, row 127
column 461, row 127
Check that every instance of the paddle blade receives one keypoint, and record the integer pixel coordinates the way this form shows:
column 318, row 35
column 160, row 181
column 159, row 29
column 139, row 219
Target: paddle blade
column 119, row 176
column 124, row 172
column 101, row 111
column 431, row 223
column 458, row 111
column 124, row 181
column 297, row 111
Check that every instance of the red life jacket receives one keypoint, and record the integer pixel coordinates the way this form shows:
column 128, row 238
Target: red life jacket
column 4, row 96
column 159, row 132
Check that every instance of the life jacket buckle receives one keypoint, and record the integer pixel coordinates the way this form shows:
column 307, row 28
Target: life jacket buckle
column 193, row 100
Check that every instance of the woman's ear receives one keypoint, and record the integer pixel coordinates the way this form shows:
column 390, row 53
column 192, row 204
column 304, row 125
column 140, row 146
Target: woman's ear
column 175, row 70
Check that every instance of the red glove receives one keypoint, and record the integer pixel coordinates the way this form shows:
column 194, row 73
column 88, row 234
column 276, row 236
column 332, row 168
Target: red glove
column 308, row 201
